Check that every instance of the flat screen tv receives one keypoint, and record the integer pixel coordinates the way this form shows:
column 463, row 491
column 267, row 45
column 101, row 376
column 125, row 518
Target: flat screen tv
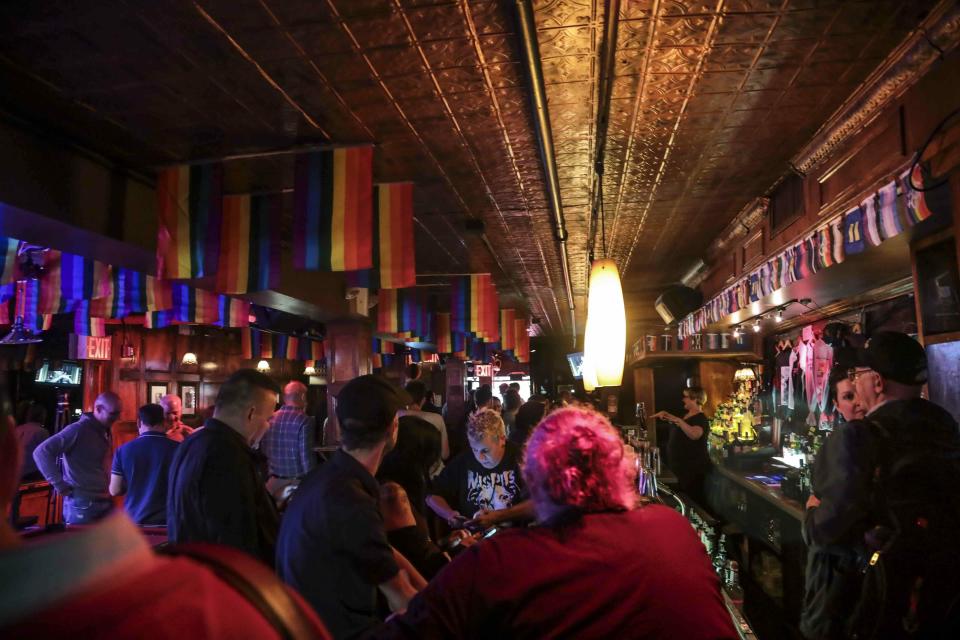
column 576, row 364
column 61, row 374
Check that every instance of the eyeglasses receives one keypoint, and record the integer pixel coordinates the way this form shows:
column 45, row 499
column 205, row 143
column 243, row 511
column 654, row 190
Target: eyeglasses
column 854, row 373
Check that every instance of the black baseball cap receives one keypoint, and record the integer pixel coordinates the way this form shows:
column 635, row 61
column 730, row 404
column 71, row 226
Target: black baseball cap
column 371, row 400
column 896, row 356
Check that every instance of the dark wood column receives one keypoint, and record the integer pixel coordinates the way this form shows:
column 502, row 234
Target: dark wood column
column 348, row 356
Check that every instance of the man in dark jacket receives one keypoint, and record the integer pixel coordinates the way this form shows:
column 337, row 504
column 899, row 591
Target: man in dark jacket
column 889, row 375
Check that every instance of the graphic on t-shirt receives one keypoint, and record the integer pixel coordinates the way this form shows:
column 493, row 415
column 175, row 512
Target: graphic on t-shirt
column 493, row 491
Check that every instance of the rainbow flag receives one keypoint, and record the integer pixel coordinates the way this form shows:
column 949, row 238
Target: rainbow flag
column 51, row 293
column 83, row 278
column 260, row 344
column 159, row 294
column 8, row 259
column 474, row 307
column 309, row 349
column 522, row 350
column 333, row 210
column 376, row 360
column 195, row 305
column 28, row 306
column 393, row 210
column 388, row 311
column 508, row 329
column 414, row 317
column 443, row 337
column 383, row 346
column 127, row 295
column 189, row 201
column 250, row 244
column 459, row 341
column 159, row 319
column 232, row 312
column 288, row 347
column 888, row 211
column 86, row 325
column 364, row 278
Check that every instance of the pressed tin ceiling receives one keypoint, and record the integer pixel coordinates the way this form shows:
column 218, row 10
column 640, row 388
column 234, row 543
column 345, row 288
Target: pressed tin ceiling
column 710, row 100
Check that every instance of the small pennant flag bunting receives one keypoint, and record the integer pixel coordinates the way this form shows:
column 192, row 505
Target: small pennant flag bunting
column 250, row 244
column 871, row 227
column 853, row 234
column 86, row 325
column 190, row 204
column 8, row 259
column 393, row 246
column 333, row 210
column 888, row 214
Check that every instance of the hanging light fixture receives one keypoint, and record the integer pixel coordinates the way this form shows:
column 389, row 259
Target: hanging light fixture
column 19, row 334
column 605, row 338
column 189, row 358
column 310, row 369
column 756, row 325
column 779, row 316
column 263, row 366
column 744, row 374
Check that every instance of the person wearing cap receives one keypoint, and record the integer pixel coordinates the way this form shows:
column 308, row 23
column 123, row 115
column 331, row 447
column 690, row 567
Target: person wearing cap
column 888, row 375
column 332, row 547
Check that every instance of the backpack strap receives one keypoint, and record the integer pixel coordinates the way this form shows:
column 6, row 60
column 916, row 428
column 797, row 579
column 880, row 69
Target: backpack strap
column 256, row 584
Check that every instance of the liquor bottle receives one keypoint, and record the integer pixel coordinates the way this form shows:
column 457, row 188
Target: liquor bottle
column 734, row 590
column 720, row 557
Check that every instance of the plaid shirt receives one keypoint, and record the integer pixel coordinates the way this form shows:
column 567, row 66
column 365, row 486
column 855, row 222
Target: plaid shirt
column 288, row 443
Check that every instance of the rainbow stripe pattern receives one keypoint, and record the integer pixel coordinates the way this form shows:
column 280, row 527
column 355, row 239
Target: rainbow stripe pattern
column 196, row 306
column 333, row 210
column 232, row 312
column 85, row 324
column 250, row 244
column 190, row 204
column 159, row 294
column 393, row 216
column 442, row 336
column 83, row 278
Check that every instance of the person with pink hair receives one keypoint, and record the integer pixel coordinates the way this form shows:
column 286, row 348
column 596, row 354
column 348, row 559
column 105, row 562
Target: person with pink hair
column 600, row 564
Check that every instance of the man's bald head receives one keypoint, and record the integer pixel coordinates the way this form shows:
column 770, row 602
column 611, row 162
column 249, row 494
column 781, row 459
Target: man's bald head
column 107, row 408
column 295, row 394
column 172, row 409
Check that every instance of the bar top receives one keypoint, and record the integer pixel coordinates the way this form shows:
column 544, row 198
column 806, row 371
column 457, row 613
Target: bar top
column 772, row 495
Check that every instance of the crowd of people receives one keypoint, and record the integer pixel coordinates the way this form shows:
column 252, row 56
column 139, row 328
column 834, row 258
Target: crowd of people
column 533, row 529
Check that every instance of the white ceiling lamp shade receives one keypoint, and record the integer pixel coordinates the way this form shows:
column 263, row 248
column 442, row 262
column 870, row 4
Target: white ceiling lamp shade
column 605, row 341
column 587, row 371
column 263, row 366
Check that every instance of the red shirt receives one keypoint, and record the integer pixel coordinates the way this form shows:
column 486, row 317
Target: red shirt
column 637, row 574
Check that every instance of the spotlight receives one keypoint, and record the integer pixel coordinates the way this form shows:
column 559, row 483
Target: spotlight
column 779, row 316
column 736, row 332
column 756, row 325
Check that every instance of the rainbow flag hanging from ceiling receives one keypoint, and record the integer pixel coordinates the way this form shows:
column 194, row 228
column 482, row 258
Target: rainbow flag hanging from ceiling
column 249, row 244
column 28, row 305
column 189, row 201
column 288, row 347
column 508, row 329
column 414, row 318
column 443, row 338
column 394, row 245
column 159, row 319
column 195, row 305
column 127, row 295
column 8, row 259
column 232, row 312
column 333, row 210
column 83, row 278
column 522, row 350
column 474, row 307
column 388, row 311
column 86, row 325
column 51, row 293
column 159, row 294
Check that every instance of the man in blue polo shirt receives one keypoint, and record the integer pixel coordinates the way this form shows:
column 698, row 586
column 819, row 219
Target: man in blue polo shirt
column 141, row 467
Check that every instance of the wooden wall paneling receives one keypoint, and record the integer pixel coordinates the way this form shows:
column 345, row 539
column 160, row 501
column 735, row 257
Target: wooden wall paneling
column 158, row 350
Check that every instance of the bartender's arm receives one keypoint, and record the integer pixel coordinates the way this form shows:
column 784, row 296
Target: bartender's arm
column 693, row 432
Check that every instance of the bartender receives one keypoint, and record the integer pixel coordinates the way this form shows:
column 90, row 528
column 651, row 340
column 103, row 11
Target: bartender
column 687, row 447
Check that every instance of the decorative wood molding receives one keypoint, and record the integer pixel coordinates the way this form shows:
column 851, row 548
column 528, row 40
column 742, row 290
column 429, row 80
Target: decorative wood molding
column 936, row 36
column 749, row 218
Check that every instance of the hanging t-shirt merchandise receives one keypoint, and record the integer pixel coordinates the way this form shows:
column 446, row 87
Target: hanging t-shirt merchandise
column 468, row 486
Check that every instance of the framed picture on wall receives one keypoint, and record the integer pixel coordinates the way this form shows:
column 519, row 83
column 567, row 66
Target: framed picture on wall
column 155, row 391
column 188, row 394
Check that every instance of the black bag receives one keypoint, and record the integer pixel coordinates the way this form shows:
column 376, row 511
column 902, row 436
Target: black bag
column 911, row 572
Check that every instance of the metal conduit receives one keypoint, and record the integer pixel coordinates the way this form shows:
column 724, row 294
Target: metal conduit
column 531, row 59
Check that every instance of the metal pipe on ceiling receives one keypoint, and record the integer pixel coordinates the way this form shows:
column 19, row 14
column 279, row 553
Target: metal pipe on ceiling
column 531, row 58
column 608, row 58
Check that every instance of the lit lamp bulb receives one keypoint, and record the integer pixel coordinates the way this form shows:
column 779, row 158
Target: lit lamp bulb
column 779, row 316
column 736, row 332
column 756, row 325
column 605, row 339
column 310, row 370
column 263, row 366
column 189, row 358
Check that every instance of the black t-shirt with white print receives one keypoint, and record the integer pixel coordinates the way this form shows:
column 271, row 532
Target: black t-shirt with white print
column 468, row 486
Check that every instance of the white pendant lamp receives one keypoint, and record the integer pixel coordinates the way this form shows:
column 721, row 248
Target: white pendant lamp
column 605, row 341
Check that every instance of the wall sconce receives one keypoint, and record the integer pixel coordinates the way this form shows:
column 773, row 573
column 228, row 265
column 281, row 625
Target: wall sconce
column 263, row 366
column 310, row 370
column 736, row 332
column 189, row 359
column 756, row 325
